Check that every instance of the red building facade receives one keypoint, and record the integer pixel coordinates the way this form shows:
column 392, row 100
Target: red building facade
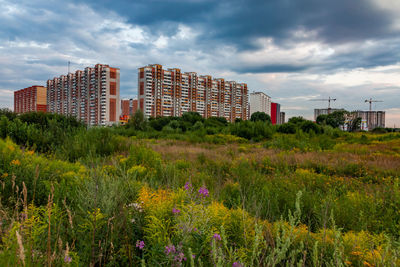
column 30, row 99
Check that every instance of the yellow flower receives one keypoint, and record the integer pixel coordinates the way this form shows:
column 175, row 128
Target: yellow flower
column 30, row 152
column 356, row 253
column 5, row 175
column 15, row 162
column 139, row 169
column 11, row 148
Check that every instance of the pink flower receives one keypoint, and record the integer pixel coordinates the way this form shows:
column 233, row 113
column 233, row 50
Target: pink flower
column 140, row 244
column 237, row 264
column 188, row 186
column 203, row 191
column 67, row 259
column 175, row 211
column 170, row 250
column 217, row 237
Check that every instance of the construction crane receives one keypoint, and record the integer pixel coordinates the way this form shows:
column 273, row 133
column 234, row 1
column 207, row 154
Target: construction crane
column 370, row 102
column 326, row 99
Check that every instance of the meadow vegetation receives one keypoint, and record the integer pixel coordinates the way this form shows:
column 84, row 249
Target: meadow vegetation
column 196, row 192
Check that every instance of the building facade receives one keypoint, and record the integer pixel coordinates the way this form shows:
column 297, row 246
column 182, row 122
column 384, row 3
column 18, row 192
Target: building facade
column 128, row 106
column 171, row 93
column 91, row 95
column 275, row 113
column 282, row 117
column 260, row 102
column 30, row 99
column 370, row 119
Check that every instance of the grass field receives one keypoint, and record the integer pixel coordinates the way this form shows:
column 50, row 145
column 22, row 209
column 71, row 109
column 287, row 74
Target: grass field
column 221, row 201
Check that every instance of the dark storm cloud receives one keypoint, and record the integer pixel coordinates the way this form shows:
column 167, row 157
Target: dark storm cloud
column 274, row 68
column 240, row 21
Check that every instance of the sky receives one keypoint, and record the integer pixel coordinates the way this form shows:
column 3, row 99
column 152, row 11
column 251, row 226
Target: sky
column 292, row 50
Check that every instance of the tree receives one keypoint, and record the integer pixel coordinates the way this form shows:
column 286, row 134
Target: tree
column 355, row 124
column 321, row 119
column 260, row 116
column 192, row 117
column 335, row 119
column 297, row 120
column 138, row 121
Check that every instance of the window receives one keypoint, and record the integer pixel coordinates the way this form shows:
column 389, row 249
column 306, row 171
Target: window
column 141, row 88
column 113, row 74
column 112, row 109
column 113, row 88
column 141, row 104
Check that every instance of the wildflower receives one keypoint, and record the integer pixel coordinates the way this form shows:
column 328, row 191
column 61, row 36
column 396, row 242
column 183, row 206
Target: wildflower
column 140, row 244
column 217, row 237
column 237, row 264
column 188, row 186
column 175, row 211
column 193, row 256
column 203, row 191
column 30, row 152
column 67, row 259
column 15, row 162
column 170, row 249
column 5, row 175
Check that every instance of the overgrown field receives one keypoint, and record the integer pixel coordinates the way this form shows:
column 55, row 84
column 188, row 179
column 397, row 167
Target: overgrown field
column 117, row 197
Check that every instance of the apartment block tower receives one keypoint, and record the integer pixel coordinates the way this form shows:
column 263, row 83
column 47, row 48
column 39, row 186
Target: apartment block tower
column 171, row 93
column 260, row 102
column 275, row 113
column 30, row 99
column 128, row 106
column 91, row 95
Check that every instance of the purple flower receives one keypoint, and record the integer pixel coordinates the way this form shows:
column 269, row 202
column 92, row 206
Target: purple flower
column 67, row 259
column 140, row 244
column 188, row 186
column 170, row 250
column 203, row 191
column 175, row 211
column 237, row 264
column 217, row 237
column 193, row 256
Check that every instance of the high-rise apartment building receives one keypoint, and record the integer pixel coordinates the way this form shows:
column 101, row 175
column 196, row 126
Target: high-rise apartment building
column 275, row 113
column 30, row 99
column 128, row 106
column 260, row 102
column 282, row 117
column 91, row 95
column 172, row 93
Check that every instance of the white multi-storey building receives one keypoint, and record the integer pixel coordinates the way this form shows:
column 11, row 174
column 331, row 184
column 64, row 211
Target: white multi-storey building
column 91, row 96
column 260, row 102
column 172, row 93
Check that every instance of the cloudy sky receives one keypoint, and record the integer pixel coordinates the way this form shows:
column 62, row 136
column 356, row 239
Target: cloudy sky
column 293, row 50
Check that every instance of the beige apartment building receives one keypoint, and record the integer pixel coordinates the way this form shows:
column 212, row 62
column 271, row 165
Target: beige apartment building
column 171, row 93
column 91, row 95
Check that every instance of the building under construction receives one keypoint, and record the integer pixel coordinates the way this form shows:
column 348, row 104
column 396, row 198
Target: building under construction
column 370, row 119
